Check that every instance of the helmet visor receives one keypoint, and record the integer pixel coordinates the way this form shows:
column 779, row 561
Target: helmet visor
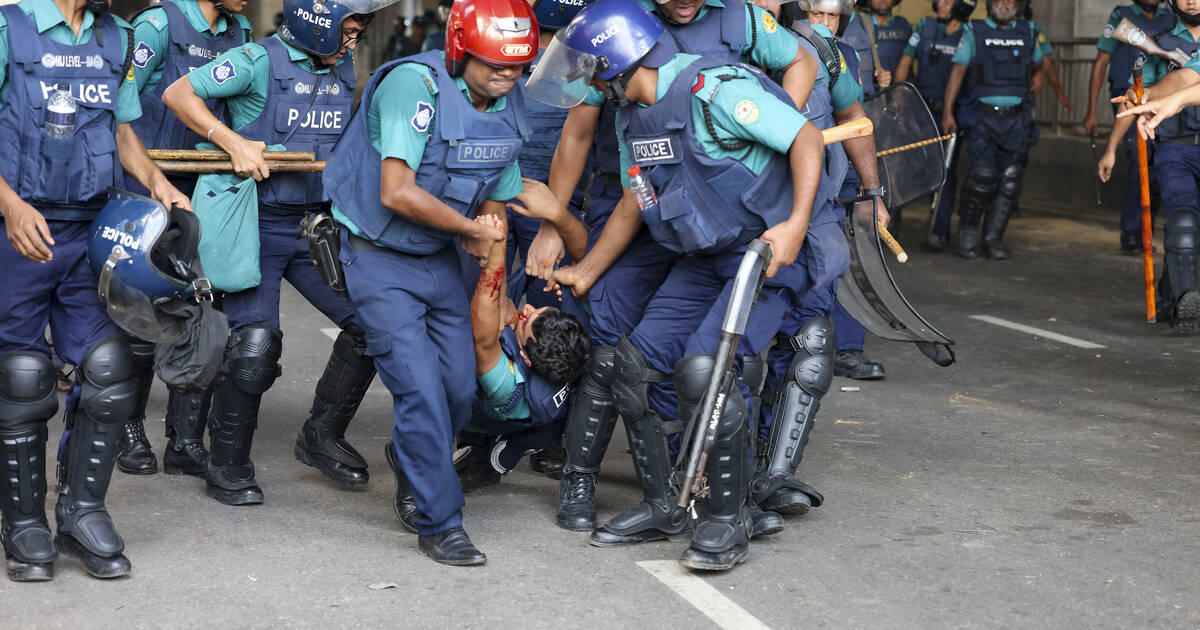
column 845, row 7
column 133, row 310
column 360, row 7
column 562, row 76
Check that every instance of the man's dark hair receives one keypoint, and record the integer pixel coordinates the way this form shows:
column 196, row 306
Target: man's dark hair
column 559, row 348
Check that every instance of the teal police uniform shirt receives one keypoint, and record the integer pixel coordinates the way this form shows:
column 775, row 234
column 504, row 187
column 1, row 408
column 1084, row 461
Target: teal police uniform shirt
column 497, row 386
column 51, row 23
column 914, row 40
column 740, row 109
column 774, row 46
column 1156, row 68
column 389, row 124
column 150, row 29
column 1106, row 43
column 966, row 53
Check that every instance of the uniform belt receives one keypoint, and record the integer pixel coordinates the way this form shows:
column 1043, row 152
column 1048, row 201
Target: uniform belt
column 997, row 111
column 1193, row 140
column 360, row 244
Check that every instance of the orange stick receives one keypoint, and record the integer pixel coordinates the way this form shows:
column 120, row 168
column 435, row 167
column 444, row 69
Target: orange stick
column 1147, row 235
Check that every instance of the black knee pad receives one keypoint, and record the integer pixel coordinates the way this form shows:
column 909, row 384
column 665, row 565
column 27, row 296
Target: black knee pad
column 631, row 380
column 812, row 367
column 1010, row 181
column 252, row 362
column 601, row 369
column 27, row 391
column 1180, row 231
column 982, row 181
column 754, row 373
column 692, row 375
column 357, row 335
column 110, row 392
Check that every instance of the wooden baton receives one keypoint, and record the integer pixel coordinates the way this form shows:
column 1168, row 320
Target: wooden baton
column 193, row 155
column 202, row 166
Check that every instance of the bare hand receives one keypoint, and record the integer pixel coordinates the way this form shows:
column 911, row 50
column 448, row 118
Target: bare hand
column 247, row 158
column 1152, row 114
column 1035, row 86
column 785, row 240
column 537, row 202
column 868, row 214
column 489, row 230
column 1064, row 102
column 545, row 252
column 28, row 232
column 1090, row 123
column 949, row 125
column 1105, row 168
column 883, row 78
column 170, row 196
column 571, row 276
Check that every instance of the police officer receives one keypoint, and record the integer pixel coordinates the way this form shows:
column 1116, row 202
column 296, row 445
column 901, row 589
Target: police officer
column 855, row 33
column 729, row 31
column 1000, row 54
column 1115, row 60
column 891, row 32
column 434, row 141
column 171, row 38
column 65, row 119
column 293, row 89
column 932, row 46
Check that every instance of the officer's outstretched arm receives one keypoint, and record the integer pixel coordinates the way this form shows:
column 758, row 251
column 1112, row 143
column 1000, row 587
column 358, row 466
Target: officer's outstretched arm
column 137, row 162
column 623, row 224
column 491, row 291
column 798, row 77
column 805, row 157
column 538, row 202
column 398, row 190
column 903, row 68
column 1095, row 81
column 1180, row 79
column 246, row 155
column 26, row 227
column 953, row 86
column 1150, row 115
column 861, row 152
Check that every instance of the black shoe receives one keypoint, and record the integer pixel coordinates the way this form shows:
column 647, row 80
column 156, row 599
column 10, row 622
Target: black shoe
column 576, row 510
column 995, row 250
column 716, row 546
column 403, row 504
column 855, row 364
column 452, row 547
column 644, row 522
column 788, row 501
column 475, row 468
column 549, row 461
column 233, row 485
column 188, row 458
column 700, row 560
column 1187, row 313
column 103, row 567
column 1131, row 241
column 762, row 522
column 135, row 456
column 30, row 552
column 937, row 242
column 334, row 457
column 968, row 242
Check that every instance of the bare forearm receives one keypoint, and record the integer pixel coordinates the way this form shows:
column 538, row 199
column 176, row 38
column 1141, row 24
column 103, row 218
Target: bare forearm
column 1099, row 69
column 861, row 151
column 573, row 233
column 1052, row 77
column 400, row 193
column 1173, row 82
column 805, row 158
column 189, row 108
column 903, row 68
column 798, row 78
column 1119, row 129
column 8, row 197
column 134, row 158
column 619, row 231
column 570, row 156
column 953, row 85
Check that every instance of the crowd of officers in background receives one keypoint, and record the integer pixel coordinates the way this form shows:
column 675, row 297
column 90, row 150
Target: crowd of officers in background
column 500, row 276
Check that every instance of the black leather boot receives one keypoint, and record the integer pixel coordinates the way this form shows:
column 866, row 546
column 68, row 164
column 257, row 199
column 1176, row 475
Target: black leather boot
column 322, row 441
column 403, row 504
column 187, row 414
column 85, row 529
column 29, row 549
column 590, row 424
column 136, row 457
column 452, row 547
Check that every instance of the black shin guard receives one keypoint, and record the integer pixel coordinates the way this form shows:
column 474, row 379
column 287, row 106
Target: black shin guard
column 1000, row 212
column 979, row 190
column 322, row 440
column 135, row 456
column 590, row 424
column 187, row 414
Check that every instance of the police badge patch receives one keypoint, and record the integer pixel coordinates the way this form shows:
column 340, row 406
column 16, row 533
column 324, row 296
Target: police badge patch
column 746, row 111
column 142, row 54
column 420, row 120
column 768, row 22
column 223, row 72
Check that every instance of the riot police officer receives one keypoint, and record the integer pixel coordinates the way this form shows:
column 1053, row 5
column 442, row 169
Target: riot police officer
column 891, row 32
column 293, row 89
column 434, row 142
column 999, row 54
column 65, row 118
column 173, row 37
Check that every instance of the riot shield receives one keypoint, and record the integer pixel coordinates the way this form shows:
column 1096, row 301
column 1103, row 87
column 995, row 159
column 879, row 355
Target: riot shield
column 902, row 121
column 869, row 293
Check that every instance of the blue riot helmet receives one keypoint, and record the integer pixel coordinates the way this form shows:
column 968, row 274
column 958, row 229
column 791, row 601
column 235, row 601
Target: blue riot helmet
column 606, row 40
column 315, row 26
column 554, row 14
column 144, row 255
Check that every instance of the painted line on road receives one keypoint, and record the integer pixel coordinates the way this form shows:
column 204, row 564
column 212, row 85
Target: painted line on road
column 332, row 333
column 707, row 599
column 1071, row 341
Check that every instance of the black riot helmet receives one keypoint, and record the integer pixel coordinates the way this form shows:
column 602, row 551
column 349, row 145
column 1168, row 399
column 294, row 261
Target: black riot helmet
column 1190, row 19
column 865, row 5
column 963, row 9
column 1149, row 6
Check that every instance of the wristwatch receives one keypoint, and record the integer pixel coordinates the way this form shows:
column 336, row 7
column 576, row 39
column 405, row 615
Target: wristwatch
column 873, row 192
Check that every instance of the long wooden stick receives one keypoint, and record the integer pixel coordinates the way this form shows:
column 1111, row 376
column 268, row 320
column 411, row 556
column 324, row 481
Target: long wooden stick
column 848, row 131
column 915, row 145
column 893, row 244
column 191, row 155
column 1147, row 236
column 179, row 166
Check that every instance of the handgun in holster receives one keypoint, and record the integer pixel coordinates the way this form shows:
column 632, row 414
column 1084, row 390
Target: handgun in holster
column 324, row 245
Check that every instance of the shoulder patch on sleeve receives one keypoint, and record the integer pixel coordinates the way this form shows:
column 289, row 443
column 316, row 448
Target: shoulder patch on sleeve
column 746, row 111
column 223, row 72
column 142, row 54
column 699, row 85
column 155, row 21
column 420, row 120
column 250, row 51
column 769, row 24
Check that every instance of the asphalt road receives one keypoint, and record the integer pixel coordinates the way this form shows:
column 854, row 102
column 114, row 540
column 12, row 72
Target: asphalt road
column 1035, row 484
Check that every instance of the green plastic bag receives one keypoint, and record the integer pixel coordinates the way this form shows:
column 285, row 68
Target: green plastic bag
column 227, row 206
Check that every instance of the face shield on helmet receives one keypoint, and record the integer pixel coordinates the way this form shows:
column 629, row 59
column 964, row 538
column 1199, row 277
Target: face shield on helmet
column 606, row 40
column 496, row 32
column 143, row 256
column 315, row 26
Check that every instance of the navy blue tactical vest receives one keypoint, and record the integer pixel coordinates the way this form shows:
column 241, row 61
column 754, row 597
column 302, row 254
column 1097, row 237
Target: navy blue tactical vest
column 719, row 35
column 1003, row 62
column 65, row 179
column 464, row 156
column 545, row 128
column 856, row 35
column 1186, row 122
column 305, row 111
column 890, row 40
column 819, row 110
column 934, row 59
column 705, row 204
column 547, row 403
column 1120, row 67
column 187, row 49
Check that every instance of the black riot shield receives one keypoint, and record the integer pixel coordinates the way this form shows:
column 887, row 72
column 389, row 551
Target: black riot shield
column 902, row 121
column 869, row 293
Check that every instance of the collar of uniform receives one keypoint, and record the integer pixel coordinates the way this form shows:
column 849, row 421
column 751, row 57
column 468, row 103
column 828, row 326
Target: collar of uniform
column 195, row 17
column 303, row 58
column 1181, row 31
column 875, row 20
column 46, row 16
column 992, row 23
column 669, row 71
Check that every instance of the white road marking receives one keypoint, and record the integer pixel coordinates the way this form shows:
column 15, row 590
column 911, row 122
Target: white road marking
column 1071, row 341
column 707, row 599
column 332, row 333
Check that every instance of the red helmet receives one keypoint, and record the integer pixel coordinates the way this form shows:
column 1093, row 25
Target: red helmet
column 497, row 32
